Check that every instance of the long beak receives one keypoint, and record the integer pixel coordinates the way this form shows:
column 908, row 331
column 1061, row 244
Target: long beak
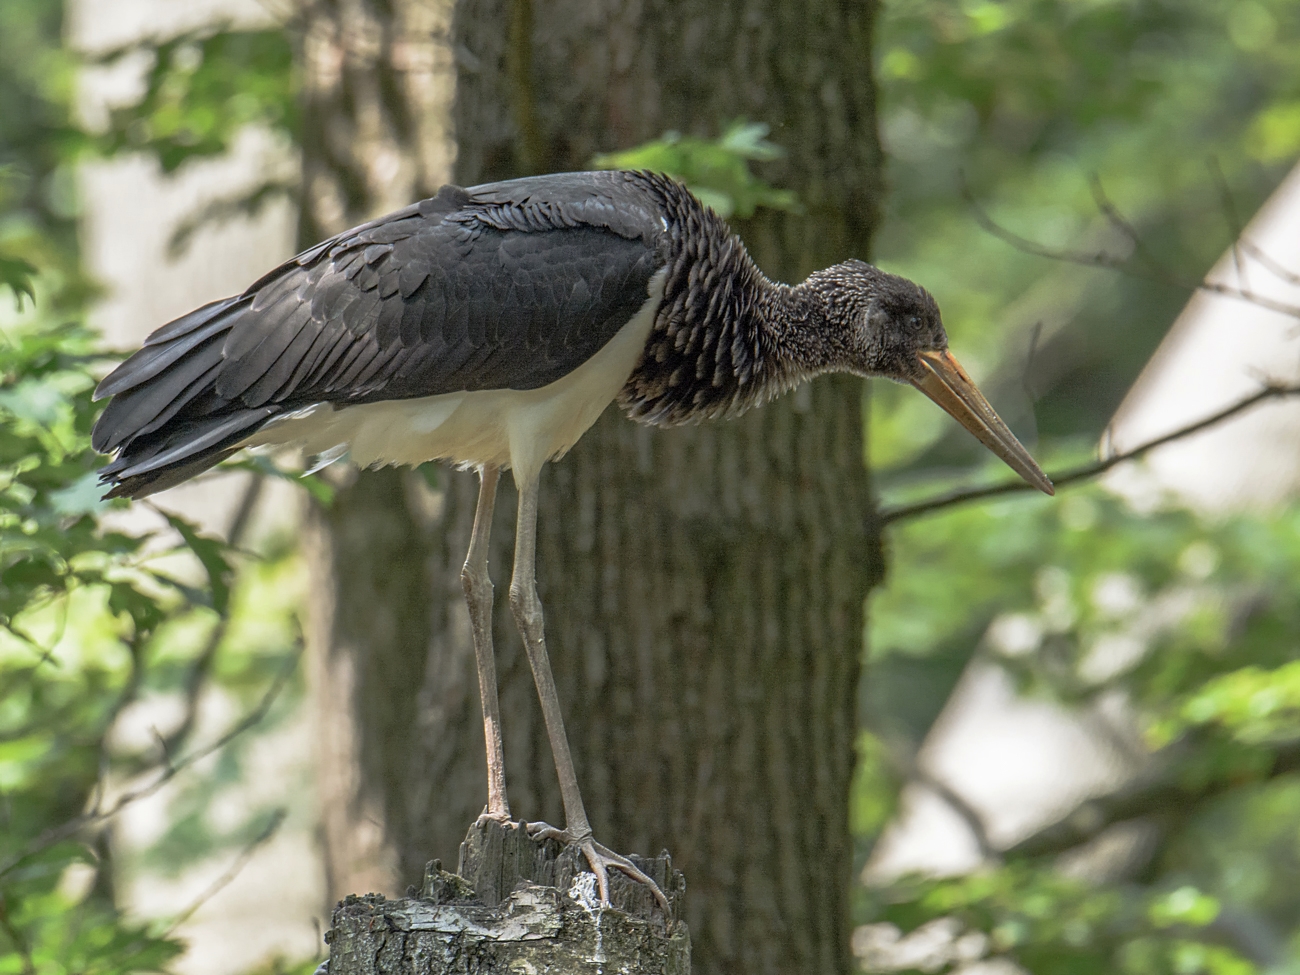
column 945, row 381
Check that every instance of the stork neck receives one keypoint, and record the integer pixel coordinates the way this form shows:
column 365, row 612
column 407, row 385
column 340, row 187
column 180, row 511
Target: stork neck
column 725, row 338
column 797, row 321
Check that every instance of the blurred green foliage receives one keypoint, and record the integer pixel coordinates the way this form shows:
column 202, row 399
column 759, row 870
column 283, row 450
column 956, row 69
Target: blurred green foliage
column 718, row 171
column 201, row 89
column 1193, row 623
column 1186, row 115
column 1047, row 922
column 1186, row 111
column 16, row 274
column 96, row 620
column 1254, row 705
column 38, row 144
column 198, row 92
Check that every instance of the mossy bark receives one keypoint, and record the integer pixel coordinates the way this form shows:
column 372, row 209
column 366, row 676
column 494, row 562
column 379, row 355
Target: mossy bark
column 515, row 905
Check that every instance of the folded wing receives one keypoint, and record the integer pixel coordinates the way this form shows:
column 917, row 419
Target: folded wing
column 471, row 289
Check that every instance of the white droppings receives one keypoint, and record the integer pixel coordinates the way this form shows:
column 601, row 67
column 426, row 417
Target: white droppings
column 586, row 893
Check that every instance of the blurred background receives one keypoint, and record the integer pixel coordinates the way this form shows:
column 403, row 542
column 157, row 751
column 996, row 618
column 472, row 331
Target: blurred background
column 931, row 732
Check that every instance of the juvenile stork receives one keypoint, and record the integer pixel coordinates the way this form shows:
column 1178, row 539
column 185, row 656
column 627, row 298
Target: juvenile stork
column 490, row 327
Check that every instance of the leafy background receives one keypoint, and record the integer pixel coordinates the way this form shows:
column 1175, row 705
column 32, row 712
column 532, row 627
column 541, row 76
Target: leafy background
column 1186, row 113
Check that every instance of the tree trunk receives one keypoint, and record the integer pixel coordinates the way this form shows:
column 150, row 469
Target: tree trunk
column 704, row 586
column 515, row 904
column 376, row 101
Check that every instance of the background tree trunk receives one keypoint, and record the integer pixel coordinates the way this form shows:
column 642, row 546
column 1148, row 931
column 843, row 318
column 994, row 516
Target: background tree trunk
column 704, row 586
column 377, row 87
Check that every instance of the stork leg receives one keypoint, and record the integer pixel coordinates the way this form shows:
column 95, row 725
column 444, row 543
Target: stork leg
column 477, row 584
column 528, row 616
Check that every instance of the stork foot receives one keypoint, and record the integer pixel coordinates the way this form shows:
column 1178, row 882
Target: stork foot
column 601, row 858
column 488, row 816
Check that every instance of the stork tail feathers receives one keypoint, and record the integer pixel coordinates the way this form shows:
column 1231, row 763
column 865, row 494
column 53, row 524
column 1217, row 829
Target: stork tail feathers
column 166, row 420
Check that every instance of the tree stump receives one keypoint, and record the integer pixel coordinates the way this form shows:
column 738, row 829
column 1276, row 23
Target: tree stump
column 515, row 905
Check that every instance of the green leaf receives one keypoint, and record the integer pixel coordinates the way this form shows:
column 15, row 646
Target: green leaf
column 261, row 465
column 144, row 610
column 211, row 553
column 17, row 274
column 1186, row 905
column 82, row 497
column 717, row 171
column 204, row 88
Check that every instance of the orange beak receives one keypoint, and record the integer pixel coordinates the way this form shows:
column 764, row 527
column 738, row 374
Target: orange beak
column 945, row 381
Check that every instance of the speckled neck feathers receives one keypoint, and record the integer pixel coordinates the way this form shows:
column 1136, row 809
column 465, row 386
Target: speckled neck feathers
column 720, row 340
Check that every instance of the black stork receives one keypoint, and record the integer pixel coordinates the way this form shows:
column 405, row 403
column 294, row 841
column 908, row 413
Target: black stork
column 490, row 327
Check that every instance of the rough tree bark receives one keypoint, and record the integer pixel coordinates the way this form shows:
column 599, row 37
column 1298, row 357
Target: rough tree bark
column 515, row 904
column 377, row 83
column 703, row 587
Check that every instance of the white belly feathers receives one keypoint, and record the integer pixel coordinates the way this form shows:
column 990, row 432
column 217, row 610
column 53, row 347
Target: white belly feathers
column 521, row 429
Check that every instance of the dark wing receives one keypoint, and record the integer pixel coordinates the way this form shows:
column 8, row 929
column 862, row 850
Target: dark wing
column 508, row 285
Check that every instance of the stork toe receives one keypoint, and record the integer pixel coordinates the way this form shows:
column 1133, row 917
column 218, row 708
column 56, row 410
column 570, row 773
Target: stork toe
column 488, row 816
column 600, row 858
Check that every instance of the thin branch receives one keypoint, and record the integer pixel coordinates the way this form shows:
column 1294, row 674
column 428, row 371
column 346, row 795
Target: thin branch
column 57, row 834
column 1027, row 374
column 16, row 936
column 44, row 655
column 1111, row 262
column 231, row 872
column 1230, row 214
column 1086, row 471
column 901, row 755
column 242, row 519
column 197, row 677
column 1107, row 208
column 130, row 691
column 1270, row 263
column 968, row 813
column 249, row 203
column 1145, row 797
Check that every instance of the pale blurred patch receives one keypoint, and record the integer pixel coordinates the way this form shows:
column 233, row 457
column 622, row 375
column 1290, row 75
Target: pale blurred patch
column 1220, row 350
column 272, row 905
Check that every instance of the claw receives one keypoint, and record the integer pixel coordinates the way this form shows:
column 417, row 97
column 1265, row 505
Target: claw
column 487, row 816
column 545, row 831
column 600, row 858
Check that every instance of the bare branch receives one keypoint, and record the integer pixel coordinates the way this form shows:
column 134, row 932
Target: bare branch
column 1107, row 208
column 968, row 813
column 901, row 755
column 242, row 519
column 197, row 677
column 231, row 872
column 1085, row 472
column 57, row 834
column 1147, row 796
column 1230, row 214
column 1155, row 272
column 1269, row 262
column 1027, row 374
column 249, row 203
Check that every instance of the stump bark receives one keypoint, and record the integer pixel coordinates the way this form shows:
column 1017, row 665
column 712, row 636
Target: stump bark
column 515, row 905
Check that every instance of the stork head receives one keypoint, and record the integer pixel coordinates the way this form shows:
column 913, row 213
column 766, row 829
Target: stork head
column 885, row 325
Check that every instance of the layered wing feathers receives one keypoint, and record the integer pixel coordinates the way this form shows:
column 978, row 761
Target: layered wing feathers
column 509, row 285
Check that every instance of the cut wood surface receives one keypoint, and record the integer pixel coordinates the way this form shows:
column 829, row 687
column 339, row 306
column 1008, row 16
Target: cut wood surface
column 515, row 905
